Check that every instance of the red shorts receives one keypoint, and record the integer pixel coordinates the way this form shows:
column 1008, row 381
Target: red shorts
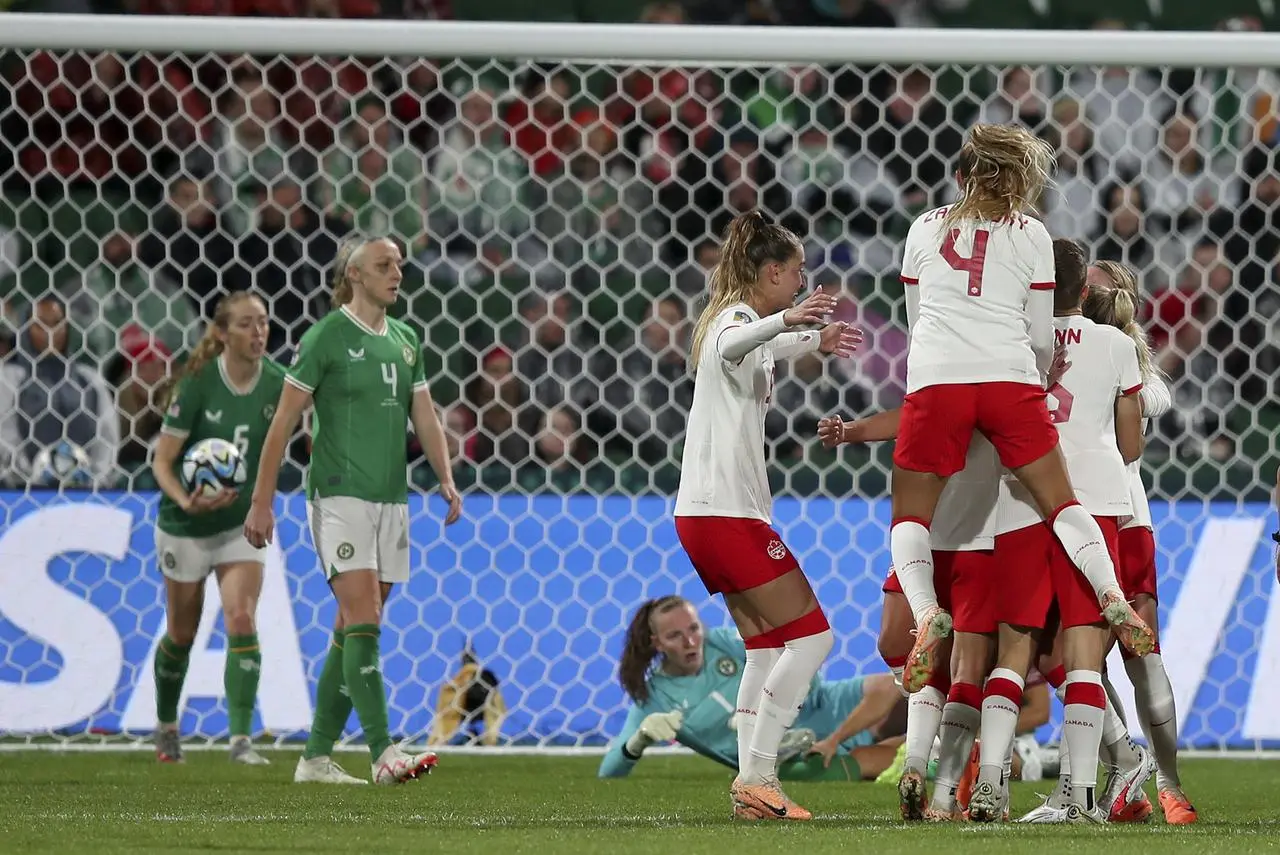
column 1077, row 602
column 733, row 554
column 1023, row 588
column 1137, row 567
column 962, row 582
column 937, row 423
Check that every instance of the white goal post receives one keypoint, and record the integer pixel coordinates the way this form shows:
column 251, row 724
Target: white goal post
column 566, row 266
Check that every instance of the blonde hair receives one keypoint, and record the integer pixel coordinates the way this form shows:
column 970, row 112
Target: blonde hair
column 343, row 292
column 210, row 346
column 1118, row 307
column 750, row 242
column 1003, row 171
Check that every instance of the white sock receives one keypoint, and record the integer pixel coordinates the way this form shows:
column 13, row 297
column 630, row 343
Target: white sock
column 784, row 690
column 1117, row 750
column 1080, row 536
column 924, row 714
column 957, row 731
column 913, row 563
column 1082, row 732
column 760, row 662
column 1001, row 704
column 1157, row 714
column 898, row 671
column 1061, row 795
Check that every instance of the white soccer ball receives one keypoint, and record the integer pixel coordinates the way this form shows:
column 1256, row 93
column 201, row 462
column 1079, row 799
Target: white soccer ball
column 62, row 464
column 211, row 465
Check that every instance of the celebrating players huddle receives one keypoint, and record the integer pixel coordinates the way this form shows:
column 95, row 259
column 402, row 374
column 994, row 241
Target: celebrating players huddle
column 1020, row 531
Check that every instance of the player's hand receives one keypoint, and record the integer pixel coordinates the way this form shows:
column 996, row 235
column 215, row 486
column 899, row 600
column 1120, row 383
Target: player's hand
column 203, row 503
column 259, row 525
column 827, row 748
column 661, row 727
column 840, row 339
column 813, row 309
column 450, row 494
column 831, row 431
column 1058, row 367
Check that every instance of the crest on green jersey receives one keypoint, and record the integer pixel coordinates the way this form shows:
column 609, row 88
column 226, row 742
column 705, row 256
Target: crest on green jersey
column 727, row 666
column 345, row 551
column 170, row 561
column 297, row 355
column 408, row 356
column 268, row 411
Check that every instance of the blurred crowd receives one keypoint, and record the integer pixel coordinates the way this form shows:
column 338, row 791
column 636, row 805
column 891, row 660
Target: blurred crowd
column 560, row 221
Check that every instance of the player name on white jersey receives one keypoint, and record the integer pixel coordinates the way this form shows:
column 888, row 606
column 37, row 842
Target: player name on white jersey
column 1103, row 367
column 974, row 285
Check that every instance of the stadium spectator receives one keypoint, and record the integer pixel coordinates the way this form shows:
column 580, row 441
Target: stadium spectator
column 373, row 182
column 499, row 399
column 478, row 192
column 561, row 455
column 691, row 278
column 1123, row 231
column 284, row 260
column 138, row 371
column 539, row 119
column 647, row 386
column 806, row 389
column 1019, row 98
column 917, row 140
column 189, row 242
column 46, row 397
column 121, row 291
column 551, row 351
column 421, row 106
column 1071, row 204
column 1186, row 189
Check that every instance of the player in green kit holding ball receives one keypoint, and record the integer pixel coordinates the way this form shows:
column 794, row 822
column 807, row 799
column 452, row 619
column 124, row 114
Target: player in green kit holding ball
column 227, row 390
column 362, row 371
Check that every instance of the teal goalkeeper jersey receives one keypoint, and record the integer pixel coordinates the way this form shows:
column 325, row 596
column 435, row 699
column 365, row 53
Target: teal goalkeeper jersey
column 708, row 700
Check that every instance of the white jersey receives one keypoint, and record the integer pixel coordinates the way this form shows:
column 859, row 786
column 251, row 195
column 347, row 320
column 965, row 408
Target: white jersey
column 965, row 519
column 1141, row 516
column 1104, row 366
column 1015, row 509
column 722, row 472
column 974, row 314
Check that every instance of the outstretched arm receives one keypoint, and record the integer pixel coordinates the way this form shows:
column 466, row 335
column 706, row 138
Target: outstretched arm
column 616, row 762
column 880, row 427
column 879, row 696
column 735, row 342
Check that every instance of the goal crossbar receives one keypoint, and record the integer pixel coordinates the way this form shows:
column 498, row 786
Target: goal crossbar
column 633, row 42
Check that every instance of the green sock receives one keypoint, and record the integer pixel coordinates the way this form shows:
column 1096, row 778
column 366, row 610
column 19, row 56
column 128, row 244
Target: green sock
column 333, row 704
column 843, row 768
column 170, row 672
column 362, row 669
column 240, row 678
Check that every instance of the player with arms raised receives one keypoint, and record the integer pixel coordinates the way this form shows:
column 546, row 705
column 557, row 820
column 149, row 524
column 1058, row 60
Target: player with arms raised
column 363, row 373
column 227, row 390
column 979, row 286
column 723, row 505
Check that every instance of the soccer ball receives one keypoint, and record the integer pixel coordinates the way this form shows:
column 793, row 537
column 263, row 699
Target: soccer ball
column 210, row 465
column 63, row 464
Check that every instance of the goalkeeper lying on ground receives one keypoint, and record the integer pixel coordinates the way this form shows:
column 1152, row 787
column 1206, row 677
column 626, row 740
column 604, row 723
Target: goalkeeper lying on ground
column 688, row 695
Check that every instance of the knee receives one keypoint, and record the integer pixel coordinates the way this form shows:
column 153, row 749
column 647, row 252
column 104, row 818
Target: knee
column 239, row 619
column 354, row 614
column 180, row 633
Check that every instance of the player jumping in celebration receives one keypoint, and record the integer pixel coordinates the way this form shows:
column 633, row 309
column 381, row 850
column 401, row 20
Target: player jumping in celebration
column 979, row 288
column 723, row 504
column 363, row 373
column 227, row 390
column 1114, row 300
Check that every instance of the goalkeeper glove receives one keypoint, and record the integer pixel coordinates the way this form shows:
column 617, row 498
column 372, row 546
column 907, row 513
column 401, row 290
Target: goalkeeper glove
column 658, row 727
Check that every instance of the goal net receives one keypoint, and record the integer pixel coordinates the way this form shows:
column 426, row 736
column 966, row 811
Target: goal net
column 559, row 193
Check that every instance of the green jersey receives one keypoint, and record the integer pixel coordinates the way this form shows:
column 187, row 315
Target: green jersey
column 363, row 384
column 207, row 406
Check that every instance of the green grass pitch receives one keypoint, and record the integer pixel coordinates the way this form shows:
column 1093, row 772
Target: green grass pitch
column 100, row 803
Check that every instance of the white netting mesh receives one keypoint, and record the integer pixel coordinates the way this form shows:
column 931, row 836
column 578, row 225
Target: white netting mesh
column 559, row 219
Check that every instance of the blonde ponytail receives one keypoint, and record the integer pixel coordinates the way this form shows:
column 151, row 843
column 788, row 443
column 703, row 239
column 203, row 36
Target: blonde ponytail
column 750, row 242
column 1118, row 306
column 1003, row 170
column 343, row 292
